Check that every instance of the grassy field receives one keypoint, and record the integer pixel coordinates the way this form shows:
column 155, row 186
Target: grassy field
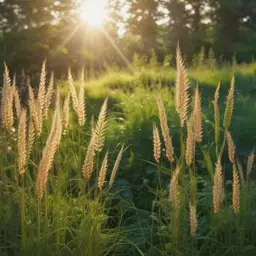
column 130, row 162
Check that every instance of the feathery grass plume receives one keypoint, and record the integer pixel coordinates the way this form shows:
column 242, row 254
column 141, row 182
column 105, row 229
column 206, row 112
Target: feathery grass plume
column 49, row 94
column 103, row 172
column 65, row 113
column 198, row 117
column 174, row 190
column 156, row 144
column 190, row 141
column 217, row 114
column 16, row 97
column 7, row 100
column 81, row 104
column 49, row 151
column 218, row 187
column 39, row 126
column 182, row 87
column 165, row 130
column 22, row 148
column 31, row 137
column 192, row 219
column 33, row 108
column 116, row 166
column 88, row 161
column 236, row 190
column 229, row 104
column 74, row 98
column 100, row 128
column 231, row 148
column 42, row 90
column 249, row 165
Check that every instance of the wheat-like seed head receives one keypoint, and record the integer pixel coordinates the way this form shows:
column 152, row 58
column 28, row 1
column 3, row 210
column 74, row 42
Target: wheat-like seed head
column 229, row 105
column 193, row 219
column 174, row 190
column 31, row 137
column 22, row 148
column 7, row 100
column 250, row 162
column 65, row 113
column 16, row 97
column 236, row 190
column 33, row 108
column 116, row 166
column 88, row 161
column 231, row 148
column 81, row 103
column 218, row 188
column 49, row 94
column 182, row 87
column 103, row 172
column 49, row 151
column 156, row 144
column 74, row 98
column 190, row 141
column 100, row 128
column 198, row 117
column 165, row 130
column 217, row 114
column 42, row 90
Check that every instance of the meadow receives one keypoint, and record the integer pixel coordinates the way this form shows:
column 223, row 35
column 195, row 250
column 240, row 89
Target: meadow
column 150, row 160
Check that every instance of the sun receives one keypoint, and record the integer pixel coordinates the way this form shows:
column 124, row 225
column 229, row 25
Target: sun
column 93, row 12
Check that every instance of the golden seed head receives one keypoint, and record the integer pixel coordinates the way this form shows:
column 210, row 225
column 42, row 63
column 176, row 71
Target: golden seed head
column 193, row 219
column 236, row 190
column 231, row 148
column 116, row 166
column 100, row 128
column 182, row 89
column 81, row 102
column 103, row 172
column 190, row 141
column 65, row 113
column 198, row 117
column 31, row 137
column 229, row 105
column 49, row 94
column 22, row 148
column 72, row 88
column 174, row 190
column 250, row 162
column 165, row 130
column 89, row 160
column 42, row 90
column 216, row 114
column 218, row 188
column 156, row 144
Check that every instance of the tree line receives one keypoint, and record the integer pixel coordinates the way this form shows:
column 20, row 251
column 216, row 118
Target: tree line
column 31, row 31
